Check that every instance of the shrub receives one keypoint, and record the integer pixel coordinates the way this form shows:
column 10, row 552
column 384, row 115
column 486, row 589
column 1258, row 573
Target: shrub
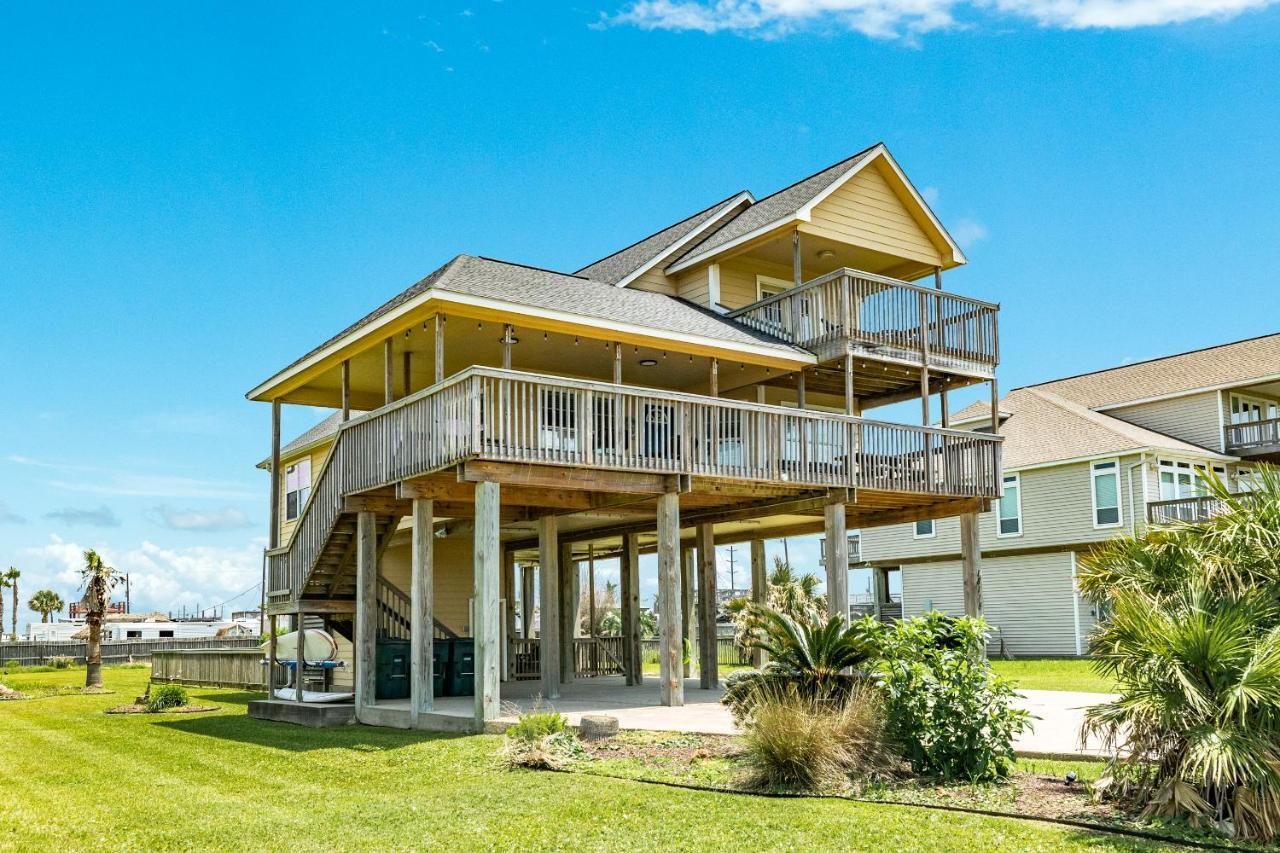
column 951, row 716
column 796, row 742
column 537, row 724
column 61, row 662
column 541, row 739
column 166, row 696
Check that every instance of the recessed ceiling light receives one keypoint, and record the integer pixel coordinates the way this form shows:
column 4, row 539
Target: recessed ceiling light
column 647, row 362
column 826, row 254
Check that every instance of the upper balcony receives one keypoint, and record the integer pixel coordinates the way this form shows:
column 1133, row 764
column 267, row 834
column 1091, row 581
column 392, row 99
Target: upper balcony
column 1258, row 439
column 875, row 318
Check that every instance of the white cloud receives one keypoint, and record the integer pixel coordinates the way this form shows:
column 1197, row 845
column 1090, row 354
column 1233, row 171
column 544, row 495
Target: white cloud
column 895, row 18
column 226, row 518
column 968, row 231
column 103, row 516
column 98, row 480
column 159, row 578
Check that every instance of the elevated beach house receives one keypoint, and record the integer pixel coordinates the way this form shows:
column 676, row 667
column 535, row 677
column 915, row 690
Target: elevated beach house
column 496, row 424
column 1087, row 458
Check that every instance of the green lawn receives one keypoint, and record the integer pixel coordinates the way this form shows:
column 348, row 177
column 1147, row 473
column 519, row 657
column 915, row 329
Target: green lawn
column 74, row 778
column 1046, row 674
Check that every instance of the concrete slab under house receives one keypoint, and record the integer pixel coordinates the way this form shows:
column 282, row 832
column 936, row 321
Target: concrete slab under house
column 497, row 426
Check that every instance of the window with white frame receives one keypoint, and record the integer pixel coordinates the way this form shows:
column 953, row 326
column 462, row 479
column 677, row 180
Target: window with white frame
column 1185, row 479
column 923, row 529
column 297, row 488
column 1106, row 494
column 1009, row 507
column 1246, row 409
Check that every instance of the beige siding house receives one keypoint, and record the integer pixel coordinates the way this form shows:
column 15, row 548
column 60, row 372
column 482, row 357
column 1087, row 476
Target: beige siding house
column 1087, row 458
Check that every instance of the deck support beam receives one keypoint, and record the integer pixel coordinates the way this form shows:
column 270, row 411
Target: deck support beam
column 759, row 592
column 388, row 374
column 366, row 611
column 568, row 613
column 484, row 619
column 273, row 535
column 549, row 605
column 439, row 342
column 835, row 556
column 971, row 564
column 670, row 645
column 346, row 390
column 687, row 586
column 422, row 611
column 629, row 571
column 300, row 654
column 708, row 670
column 526, row 601
column 508, row 612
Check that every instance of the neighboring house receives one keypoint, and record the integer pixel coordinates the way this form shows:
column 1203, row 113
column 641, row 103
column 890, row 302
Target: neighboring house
column 1087, row 458
column 127, row 626
column 703, row 385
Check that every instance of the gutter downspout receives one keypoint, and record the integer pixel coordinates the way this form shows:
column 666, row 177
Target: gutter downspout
column 1133, row 519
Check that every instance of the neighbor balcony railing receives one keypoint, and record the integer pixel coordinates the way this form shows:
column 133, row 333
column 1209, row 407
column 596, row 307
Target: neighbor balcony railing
column 1190, row 510
column 883, row 318
column 512, row 416
column 1253, row 434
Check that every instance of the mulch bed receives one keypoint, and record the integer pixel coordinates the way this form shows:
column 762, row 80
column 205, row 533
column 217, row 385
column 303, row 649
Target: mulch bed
column 142, row 709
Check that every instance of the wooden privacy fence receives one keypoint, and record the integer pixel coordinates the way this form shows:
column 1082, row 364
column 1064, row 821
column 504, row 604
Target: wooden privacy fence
column 211, row 667
column 37, row 652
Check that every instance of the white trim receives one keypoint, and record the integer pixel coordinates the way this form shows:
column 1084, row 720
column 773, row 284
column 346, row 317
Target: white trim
column 1110, row 454
column 1222, row 425
column 444, row 296
column 995, row 513
column 713, row 286
column 1075, row 603
column 933, row 529
column 804, row 213
column 1093, row 492
column 700, row 231
column 1173, row 395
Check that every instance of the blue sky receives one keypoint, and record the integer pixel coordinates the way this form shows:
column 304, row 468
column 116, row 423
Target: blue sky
column 191, row 197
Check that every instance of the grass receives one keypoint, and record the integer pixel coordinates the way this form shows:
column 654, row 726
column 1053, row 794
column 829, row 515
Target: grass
column 224, row 781
column 1072, row 674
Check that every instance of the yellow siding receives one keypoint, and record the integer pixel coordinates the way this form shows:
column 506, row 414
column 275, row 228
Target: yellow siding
column 738, row 279
column 693, row 286
column 453, row 580
column 318, row 455
column 867, row 212
column 655, row 280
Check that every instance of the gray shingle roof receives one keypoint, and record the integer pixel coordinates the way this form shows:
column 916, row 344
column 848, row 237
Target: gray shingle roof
column 325, row 428
column 783, row 204
column 624, row 262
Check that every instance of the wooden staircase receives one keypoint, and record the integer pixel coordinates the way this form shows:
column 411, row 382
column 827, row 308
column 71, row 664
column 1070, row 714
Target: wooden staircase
column 334, row 574
column 394, row 614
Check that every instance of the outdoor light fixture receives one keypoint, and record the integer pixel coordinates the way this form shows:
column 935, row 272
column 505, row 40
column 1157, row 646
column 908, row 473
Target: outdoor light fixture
column 648, row 362
column 511, row 340
column 826, row 254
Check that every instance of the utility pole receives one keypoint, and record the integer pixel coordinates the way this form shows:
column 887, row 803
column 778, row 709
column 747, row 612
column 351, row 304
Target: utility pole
column 733, row 587
column 128, row 600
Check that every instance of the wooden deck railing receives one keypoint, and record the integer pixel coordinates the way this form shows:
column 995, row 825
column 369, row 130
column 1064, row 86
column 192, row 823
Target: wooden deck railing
column 882, row 317
column 511, row 416
column 592, row 656
column 1253, row 434
column 1188, row 510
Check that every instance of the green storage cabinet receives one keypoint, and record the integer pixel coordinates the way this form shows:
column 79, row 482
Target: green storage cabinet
column 440, row 648
column 462, row 667
column 392, row 669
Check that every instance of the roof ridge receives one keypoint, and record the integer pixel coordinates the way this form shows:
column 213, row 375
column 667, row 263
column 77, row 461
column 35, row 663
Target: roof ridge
column 1147, row 361
column 528, row 267
column 721, row 203
column 820, row 171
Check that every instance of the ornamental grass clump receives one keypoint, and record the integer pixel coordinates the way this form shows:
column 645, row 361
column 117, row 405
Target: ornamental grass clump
column 1192, row 638
column 166, row 697
column 540, row 739
column 797, row 742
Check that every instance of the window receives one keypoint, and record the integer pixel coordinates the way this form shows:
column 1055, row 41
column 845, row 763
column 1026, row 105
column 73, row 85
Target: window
column 923, row 529
column 297, row 488
column 1245, row 410
column 165, row 635
column 1185, row 480
column 1106, row 494
column 133, row 635
column 766, row 287
column 1009, row 508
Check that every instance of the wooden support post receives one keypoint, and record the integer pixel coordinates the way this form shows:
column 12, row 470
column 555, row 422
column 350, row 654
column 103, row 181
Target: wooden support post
column 549, row 605
column 422, row 610
column 850, row 399
column 568, row 614
column 687, row 588
column 796, row 267
column 944, row 408
column 971, row 563
column 388, row 374
column 759, row 592
column 439, row 342
column 708, row 668
column 346, row 390
column 629, row 565
column 408, row 373
column 671, row 683
column 800, row 401
column 508, row 336
column 617, row 364
column 484, row 619
column 508, row 612
column 995, row 408
column 299, row 656
column 713, row 380
column 272, row 657
column 835, row 555
column 526, row 601
column 591, row 593
column 273, row 535
column 366, row 676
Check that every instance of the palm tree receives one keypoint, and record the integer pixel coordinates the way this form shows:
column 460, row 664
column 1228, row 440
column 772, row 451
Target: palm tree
column 816, row 654
column 3, row 583
column 788, row 592
column 98, row 578
column 1192, row 638
column 11, row 577
column 44, row 602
